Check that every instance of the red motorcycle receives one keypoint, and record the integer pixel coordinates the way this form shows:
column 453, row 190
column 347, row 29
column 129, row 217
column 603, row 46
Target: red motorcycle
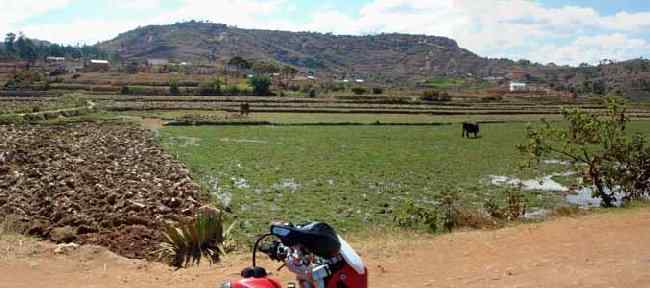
column 318, row 256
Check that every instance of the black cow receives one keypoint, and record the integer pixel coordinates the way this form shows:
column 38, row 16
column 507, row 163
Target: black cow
column 471, row 128
column 244, row 109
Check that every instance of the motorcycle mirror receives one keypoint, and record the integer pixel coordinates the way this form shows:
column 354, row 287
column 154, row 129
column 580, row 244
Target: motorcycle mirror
column 280, row 231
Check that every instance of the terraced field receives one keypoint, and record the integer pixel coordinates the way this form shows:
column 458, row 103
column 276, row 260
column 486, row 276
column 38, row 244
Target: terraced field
column 509, row 108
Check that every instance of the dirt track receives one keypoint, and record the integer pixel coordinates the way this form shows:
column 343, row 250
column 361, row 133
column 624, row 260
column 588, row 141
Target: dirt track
column 609, row 250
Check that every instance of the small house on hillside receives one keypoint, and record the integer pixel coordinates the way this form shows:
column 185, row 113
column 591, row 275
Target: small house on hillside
column 55, row 65
column 96, row 65
column 52, row 59
column 518, row 86
column 157, row 62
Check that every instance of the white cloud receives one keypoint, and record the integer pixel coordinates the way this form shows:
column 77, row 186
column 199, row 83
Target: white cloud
column 14, row 11
column 501, row 28
column 79, row 31
column 250, row 14
column 493, row 28
column 136, row 4
column 245, row 13
column 592, row 49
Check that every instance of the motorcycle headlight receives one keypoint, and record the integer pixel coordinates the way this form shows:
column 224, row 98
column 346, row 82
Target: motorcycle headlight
column 226, row 284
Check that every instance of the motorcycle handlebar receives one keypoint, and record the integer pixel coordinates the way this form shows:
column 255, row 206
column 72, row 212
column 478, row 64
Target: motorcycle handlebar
column 275, row 250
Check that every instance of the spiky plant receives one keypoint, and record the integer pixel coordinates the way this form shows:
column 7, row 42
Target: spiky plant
column 187, row 243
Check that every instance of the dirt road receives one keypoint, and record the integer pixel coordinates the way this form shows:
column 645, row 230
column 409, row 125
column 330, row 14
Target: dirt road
column 607, row 250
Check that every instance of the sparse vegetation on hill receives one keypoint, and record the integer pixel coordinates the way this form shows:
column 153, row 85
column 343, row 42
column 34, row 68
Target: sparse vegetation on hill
column 384, row 57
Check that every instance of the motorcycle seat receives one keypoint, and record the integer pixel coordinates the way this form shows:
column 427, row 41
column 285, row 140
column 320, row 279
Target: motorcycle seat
column 317, row 237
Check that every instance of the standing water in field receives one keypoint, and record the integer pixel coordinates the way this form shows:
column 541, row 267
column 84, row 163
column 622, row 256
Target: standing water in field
column 224, row 197
column 546, row 183
column 582, row 197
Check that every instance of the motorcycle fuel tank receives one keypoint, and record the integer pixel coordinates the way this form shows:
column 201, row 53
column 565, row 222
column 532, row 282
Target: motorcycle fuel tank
column 253, row 283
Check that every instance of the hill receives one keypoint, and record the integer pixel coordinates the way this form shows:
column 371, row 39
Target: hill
column 392, row 59
column 383, row 57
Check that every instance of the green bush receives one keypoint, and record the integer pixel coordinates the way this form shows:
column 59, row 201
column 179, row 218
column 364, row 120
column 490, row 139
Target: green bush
column 11, row 84
column 412, row 215
column 233, row 90
column 261, row 85
column 613, row 161
column 125, row 90
column 435, row 96
column 359, row 90
column 339, row 87
column 173, row 88
column 210, row 88
column 377, row 90
column 445, row 215
column 494, row 98
column 188, row 243
column 508, row 205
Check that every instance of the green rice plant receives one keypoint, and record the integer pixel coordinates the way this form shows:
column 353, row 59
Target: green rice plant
column 204, row 237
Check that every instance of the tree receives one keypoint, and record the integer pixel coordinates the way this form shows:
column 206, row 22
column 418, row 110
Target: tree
column 132, row 67
column 287, row 73
column 616, row 163
column 239, row 63
column 266, row 67
column 210, row 87
column 261, row 85
column 25, row 48
column 173, row 88
column 10, row 39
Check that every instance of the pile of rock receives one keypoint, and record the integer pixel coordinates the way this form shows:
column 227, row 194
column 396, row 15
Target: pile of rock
column 92, row 184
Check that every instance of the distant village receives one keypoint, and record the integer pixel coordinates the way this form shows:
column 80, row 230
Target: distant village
column 517, row 81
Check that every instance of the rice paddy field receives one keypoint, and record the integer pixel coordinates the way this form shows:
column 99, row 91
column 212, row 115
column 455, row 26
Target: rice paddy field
column 348, row 160
column 351, row 176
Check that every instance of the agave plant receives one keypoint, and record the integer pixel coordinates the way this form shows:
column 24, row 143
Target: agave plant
column 187, row 243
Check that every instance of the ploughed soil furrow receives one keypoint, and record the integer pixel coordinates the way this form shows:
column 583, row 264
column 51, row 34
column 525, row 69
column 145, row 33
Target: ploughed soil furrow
column 107, row 185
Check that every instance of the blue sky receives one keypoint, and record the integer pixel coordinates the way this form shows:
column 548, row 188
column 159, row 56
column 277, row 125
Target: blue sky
column 559, row 31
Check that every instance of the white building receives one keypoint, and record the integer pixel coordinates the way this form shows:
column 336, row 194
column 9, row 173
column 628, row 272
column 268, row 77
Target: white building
column 55, row 59
column 518, row 86
column 156, row 61
column 100, row 62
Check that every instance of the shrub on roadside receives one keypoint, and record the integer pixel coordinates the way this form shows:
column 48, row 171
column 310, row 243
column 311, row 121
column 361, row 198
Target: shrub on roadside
column 509, row 205
column 203, row 237
column 412, row 215
column 445, row 215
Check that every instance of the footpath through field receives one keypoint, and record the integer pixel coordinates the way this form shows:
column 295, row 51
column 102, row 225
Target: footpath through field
column 606, row 250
